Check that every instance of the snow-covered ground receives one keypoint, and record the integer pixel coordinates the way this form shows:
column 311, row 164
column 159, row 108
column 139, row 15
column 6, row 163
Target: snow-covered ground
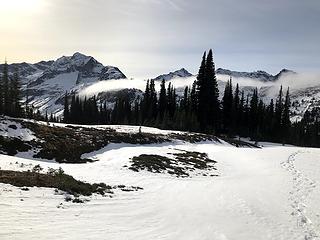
column 268, row 193
column 13, row 129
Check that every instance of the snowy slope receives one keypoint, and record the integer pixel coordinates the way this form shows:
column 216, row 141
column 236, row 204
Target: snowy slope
column 238, row 204
column 268, row 193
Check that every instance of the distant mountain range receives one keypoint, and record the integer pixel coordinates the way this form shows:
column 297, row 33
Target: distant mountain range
column 47, row 81
column 261, row 75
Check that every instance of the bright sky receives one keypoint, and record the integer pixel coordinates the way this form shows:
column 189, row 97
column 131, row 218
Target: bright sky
column 145, row 38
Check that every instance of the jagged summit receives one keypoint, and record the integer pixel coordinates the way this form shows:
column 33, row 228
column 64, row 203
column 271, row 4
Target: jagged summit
column 179, row 73
column 87, row 66
column 69, row 63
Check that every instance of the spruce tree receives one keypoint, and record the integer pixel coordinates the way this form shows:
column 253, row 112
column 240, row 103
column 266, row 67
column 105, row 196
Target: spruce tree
column 153, row 101
column 227, row 103
column 278, row 116
column 207, row 95
column 254, row 113
column 212, row 93
column 240, row 117
column 201, row 94
column 146, row 103
column 15, row 95
column 194, row 98
column 236, row 118
column 286, row 115
column 270, row 120
column 66, row 114
column 162, row 99
column 185, row 100
column 5, row 89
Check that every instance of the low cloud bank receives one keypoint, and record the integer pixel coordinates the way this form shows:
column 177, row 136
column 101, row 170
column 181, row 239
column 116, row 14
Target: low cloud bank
column 294, row 81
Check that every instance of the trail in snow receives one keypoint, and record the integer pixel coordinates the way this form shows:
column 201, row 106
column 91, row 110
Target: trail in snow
column 249, row 200
column 302, row 188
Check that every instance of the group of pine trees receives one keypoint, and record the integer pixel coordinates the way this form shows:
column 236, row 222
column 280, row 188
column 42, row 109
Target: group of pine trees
column 81, row 111
column 249, row 116
column 200, row 110
column 10, row 93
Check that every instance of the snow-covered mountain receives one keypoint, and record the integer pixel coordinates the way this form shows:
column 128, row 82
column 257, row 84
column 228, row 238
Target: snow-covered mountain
column 261, row 75
column 181, row 73
column 47, row 82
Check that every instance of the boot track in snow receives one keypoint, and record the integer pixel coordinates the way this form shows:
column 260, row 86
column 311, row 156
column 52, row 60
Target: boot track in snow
column 302, row 188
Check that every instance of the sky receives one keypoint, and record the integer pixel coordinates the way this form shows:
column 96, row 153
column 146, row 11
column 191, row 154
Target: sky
column 145, row 38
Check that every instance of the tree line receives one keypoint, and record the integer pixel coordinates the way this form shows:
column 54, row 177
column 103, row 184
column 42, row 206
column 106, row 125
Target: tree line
column 200, row 110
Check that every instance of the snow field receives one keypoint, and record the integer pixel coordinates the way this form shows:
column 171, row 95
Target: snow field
column 268, row 193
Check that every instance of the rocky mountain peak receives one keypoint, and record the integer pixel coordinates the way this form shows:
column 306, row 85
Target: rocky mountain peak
column 178, row 73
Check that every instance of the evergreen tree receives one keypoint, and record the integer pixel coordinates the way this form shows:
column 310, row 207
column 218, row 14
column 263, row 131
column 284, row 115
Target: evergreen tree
column 146, row 103
column 240, row 115
column 254, row 113
column 5, row 89
column 194, row 98
column 15, row 95
column 278, row 116
column 66, row 109
column 236, row 116
column 153, row 101
column 270, row 120
column 212, row 92
column 286, row 115
column 207, row 95
column 162, row 99
column 227, row 103
column 201, row 94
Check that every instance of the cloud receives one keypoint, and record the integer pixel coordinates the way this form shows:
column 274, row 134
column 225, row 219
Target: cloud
column 295, row 82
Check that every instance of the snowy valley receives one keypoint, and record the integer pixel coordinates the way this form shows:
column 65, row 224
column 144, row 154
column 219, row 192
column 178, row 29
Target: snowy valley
column 242, row 191
column 159, row 120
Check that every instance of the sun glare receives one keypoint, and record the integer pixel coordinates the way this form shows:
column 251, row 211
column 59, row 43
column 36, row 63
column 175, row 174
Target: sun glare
column 18, row 5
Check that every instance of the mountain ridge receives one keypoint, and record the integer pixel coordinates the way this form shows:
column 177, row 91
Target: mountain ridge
column 262, row 75
column 46, row 82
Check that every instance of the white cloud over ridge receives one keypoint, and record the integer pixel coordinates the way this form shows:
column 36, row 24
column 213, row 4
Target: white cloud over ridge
column 293, row 81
